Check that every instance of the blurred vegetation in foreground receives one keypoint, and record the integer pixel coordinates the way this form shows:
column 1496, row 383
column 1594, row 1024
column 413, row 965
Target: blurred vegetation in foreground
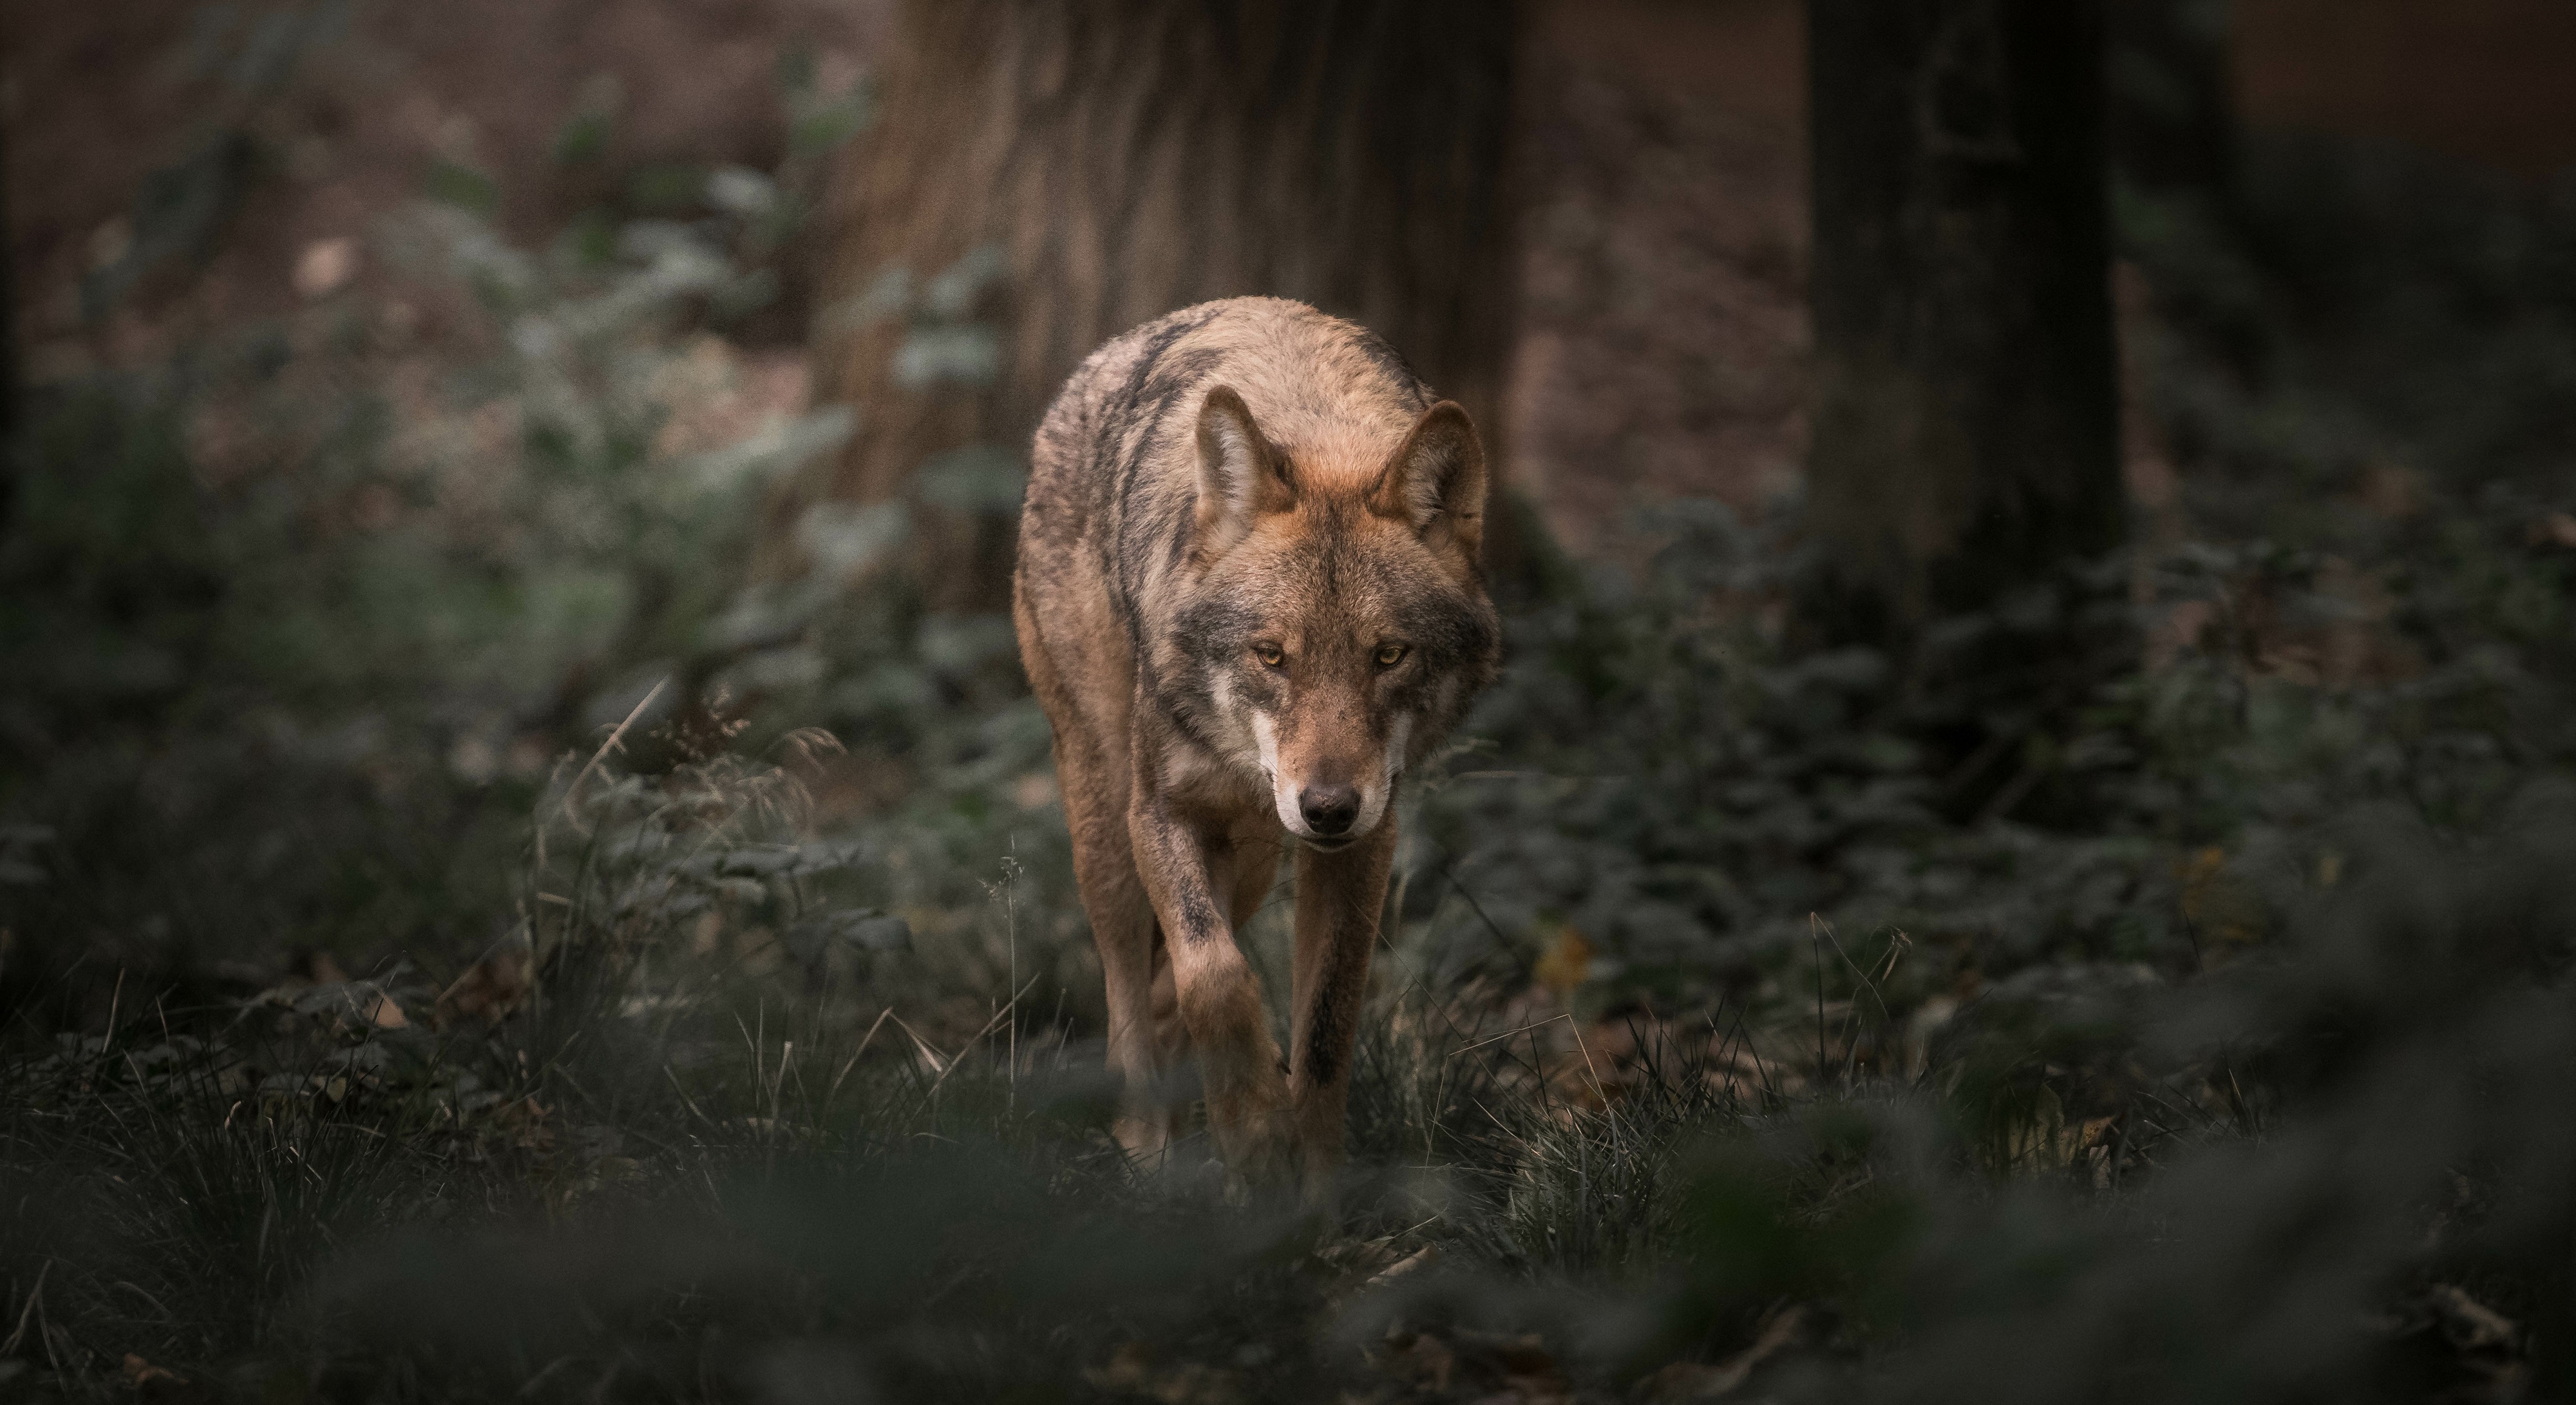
column 410, row 997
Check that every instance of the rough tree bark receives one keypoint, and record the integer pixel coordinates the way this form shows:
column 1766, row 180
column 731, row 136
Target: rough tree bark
column 1045, row 176
column 1966, row 435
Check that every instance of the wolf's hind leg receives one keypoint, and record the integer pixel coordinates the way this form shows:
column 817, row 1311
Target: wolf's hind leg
column 1122, row 931
column 1122, row 927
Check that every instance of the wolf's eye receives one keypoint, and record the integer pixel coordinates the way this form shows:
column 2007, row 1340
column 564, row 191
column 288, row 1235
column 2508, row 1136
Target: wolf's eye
column 1389, row 655
column 1269, row 655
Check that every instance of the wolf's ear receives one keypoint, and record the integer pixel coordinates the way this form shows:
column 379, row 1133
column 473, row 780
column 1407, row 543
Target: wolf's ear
column 1241, row 475
column 1435, row 482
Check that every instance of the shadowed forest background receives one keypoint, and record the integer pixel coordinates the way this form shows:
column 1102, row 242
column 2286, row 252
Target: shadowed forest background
column 2022, row 852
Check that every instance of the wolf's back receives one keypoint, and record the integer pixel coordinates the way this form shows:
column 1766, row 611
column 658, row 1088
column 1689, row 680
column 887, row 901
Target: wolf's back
column 1114, row 469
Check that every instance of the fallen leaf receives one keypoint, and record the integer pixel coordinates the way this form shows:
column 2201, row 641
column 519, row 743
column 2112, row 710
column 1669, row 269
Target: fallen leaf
column 1565, row 963
column 490, row 988
column 137, row 1371
column 154, row 1382
column 2470, row 1325
column 1125, row 1369
column 1131, row 1370
column 1418, row 1359
column 2215, row 902
column 525, row 1123
column 1492, row 1365
column 385, row 1014
column 1416, row 1261
column 1698, row 1380
column 1520, row 1364
column 2035, row 1135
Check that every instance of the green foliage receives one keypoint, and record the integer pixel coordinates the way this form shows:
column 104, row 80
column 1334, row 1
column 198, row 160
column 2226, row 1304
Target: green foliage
column 321, row 672
column 464, row 187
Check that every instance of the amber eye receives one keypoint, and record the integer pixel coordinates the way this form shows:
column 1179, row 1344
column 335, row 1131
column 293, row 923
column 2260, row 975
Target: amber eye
column 1389, row 655
column 1269, row 655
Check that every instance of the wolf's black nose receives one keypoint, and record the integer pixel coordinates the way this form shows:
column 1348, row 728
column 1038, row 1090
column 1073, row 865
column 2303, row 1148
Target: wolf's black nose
column 1329, row 809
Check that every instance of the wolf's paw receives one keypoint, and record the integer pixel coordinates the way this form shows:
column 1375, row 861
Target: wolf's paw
column 1253, row 1132
column 1146, row 1137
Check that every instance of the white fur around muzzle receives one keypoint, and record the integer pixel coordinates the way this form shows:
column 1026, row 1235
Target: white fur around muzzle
column 1373, row 798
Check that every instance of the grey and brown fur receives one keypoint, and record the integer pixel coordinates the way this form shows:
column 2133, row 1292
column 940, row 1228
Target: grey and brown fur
column 1249, row 598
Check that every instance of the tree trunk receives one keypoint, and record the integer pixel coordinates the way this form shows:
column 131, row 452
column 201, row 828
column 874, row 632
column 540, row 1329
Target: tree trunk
column 1045, row 176
column 1966, row 436
column 12, row 407
column 2172, row 119
column 2175, row 149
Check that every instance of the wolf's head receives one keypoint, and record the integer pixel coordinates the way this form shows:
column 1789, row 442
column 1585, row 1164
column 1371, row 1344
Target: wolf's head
column 1338, row 625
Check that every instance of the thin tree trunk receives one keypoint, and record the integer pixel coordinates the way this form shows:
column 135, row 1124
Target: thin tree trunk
column 1966, row 436
column 1046, row 176
column 2175, row 148
column 12, row 403
column 2172, row 119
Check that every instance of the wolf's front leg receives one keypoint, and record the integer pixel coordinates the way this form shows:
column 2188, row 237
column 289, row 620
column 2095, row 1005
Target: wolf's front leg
column 1339, row 896
column 1188, row 868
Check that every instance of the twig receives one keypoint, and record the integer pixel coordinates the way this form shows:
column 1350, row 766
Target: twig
column 778, row 1085
column 158, row 1305
column 684, row 1096
column 34, row 1295
column 938, row 1061
column 1594, row 1073
column 114, row 1003
column 1744, row 1040
column 1509, row 1034
column 1886, row 1018
column 1479, row 908
column 864, row 1040
column 998, row 1017
column 1813, row 923
column 605, row 747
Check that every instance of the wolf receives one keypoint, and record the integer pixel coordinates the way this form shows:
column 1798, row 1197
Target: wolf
column 1248, row 597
